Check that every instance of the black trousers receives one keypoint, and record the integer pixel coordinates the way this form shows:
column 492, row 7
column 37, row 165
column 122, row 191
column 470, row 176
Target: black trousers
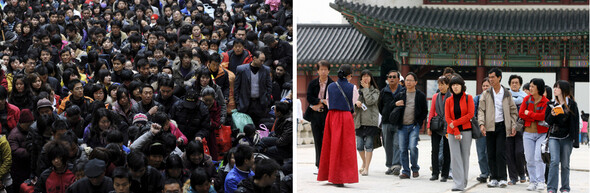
column 496, row 143
column 318, row 122
column 436, row 170
column 515, row 156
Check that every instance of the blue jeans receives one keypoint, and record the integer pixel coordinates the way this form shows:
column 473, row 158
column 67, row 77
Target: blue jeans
column 408, row 140
column 560, row 150
column 532, row 151
column 391, row 145
column 364, row 143
column 482, row 157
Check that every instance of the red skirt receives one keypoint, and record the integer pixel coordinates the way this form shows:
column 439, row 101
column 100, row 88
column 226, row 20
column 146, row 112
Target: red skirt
column 338, row 162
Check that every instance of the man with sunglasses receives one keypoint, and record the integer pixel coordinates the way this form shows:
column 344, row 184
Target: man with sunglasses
column 390, row 138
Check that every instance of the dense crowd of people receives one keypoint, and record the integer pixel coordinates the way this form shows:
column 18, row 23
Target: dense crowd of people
column 146, row 96
column 528, row 132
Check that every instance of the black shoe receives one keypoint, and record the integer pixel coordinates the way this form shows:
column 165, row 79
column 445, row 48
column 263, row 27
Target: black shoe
column 456, row 190
column 396, row 170
column 450, row 177
column 389, row 171
column 434, row 178
column 339, row 185
column 404, row 176
column 482, row 179
column 443, row 179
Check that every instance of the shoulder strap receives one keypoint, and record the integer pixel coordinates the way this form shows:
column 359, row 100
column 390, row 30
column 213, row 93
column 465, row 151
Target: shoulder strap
column 345, row 97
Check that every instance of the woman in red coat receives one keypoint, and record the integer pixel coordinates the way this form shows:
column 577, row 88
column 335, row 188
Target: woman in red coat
column 459, row 110
column 532, row 111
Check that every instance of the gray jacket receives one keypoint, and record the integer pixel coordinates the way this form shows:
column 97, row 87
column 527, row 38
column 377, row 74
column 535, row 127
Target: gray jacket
column 486, row 110
column 369, row 117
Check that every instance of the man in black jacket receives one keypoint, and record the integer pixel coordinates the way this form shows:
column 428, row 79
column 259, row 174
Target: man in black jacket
column 192, row 116
column 144, row 178
column 95, row 181
column 411, row 116
column 281, row 51
column 265, row 175
column 318, row 110
column 390, row 138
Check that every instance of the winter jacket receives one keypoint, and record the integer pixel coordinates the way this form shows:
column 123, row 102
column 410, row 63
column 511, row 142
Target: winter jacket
column 234, row 177
column 283, row 52
column 85, row 105
column 248, row 186
column 167, row 104
column 206, row 164
column 12, row 117
column 22, row 158
column 222, row 79
column 151, row 181
column 370, row 116
column 84, row 185
column 567, row 124
column 192, row 118
column 220, row 100
column 34, row 145
column 467, row 111
column 6, row 161
column 386, row 103
column 177, row 76
column 536, row 112
column 486, row 115
column 177, row 133
column 52, row 182
column 232, row 66
column 284, row 131
column 127, row 116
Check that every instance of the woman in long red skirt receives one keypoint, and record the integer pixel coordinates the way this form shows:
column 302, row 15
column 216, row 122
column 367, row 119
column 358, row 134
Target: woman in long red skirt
column 338, row 161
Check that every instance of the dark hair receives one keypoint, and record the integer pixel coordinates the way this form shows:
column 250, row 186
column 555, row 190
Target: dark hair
column 448, row 70
column 549, row 92
column 3, row 93
column 243, row 153
column 265, row 167
column 55, row 149
column 198, row 177
column 283, row 107
column 115, row 136
column 323, row 63
column 371, row 82
column 59, row 124
column 526, row 86
column 457, row 80
column 565, row 88
column 96, row 116
column 195, row 147
column 166, row 81
column 413, row 75
column 102, row 73
column 239, row 41
column 443, row 79
column 517, row 77
column 344, row 71
column 496, row 72
column 136, row 160
column 122, row 91
column 121, row 172
column 160, row 118
column 174, row 161
column 214, row 58
column 540, row 85
column 146, row 86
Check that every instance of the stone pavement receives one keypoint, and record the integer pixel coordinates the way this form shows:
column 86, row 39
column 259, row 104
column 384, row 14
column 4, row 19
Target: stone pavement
column 377, row 181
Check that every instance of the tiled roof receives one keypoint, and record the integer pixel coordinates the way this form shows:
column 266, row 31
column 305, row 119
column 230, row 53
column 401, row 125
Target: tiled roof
column 496, row 22
column 339, row 44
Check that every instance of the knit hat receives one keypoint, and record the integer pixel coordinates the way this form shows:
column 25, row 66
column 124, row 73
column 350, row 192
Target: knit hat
column 139, row 117
column 10, row 36
column 26, row 116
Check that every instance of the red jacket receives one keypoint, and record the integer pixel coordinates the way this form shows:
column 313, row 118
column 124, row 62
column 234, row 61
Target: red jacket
column 467, row 111
column 536, row 113
column 13, row 115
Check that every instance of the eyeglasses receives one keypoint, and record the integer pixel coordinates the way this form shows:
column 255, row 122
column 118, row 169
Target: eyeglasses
column 391, row 76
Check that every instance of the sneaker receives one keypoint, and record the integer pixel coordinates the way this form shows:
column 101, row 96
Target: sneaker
column 541, row 186
column 493, row 184
column 404, row 176
column 482, row 179
column 503, row 183
column 565, row 191
column 550, row 191
column 434, row 178
column 389, row 171
column 396, row 170
column 531, row 187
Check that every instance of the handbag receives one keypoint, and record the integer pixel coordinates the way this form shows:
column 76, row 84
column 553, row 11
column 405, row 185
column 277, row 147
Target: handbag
column 545, row 154
column 377, row 143
column 223, row 138
column 437, row 123
column 475, row 132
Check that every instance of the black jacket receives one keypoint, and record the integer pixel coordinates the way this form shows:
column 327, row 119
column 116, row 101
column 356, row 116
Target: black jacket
column 192, row 118
column 166, row 103
column 248, row 186
column 84, row 185
column 313, row 89
column 386, row 102
column 421, row 110
column 565, row 122
column 283, row 52
column 151, row 181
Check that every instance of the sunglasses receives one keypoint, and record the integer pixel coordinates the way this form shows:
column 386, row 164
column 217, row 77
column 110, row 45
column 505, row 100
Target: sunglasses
column 391, row 76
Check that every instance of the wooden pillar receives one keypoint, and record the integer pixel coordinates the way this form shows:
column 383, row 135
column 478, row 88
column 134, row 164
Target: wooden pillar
column 480, row 75
column 405, row 67
column 564, row 74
